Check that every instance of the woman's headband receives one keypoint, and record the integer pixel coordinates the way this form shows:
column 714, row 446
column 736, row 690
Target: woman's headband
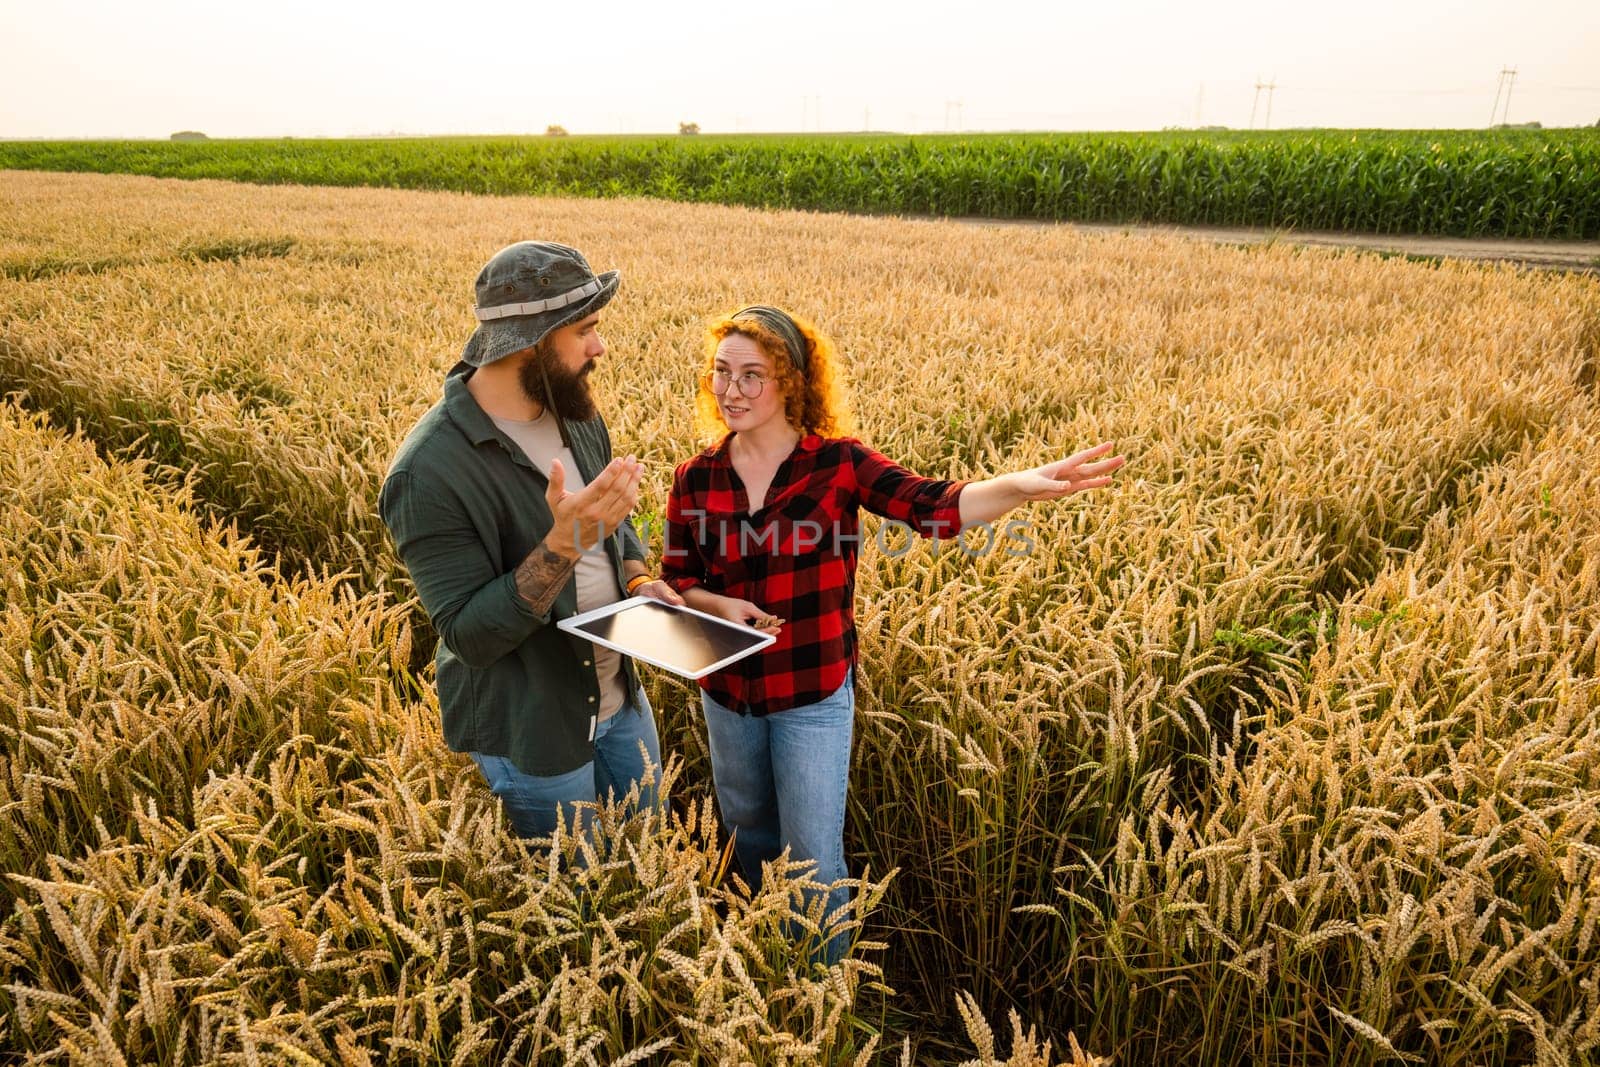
column 781, row 324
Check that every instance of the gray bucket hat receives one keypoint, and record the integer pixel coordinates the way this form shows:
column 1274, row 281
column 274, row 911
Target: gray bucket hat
column 527, row 290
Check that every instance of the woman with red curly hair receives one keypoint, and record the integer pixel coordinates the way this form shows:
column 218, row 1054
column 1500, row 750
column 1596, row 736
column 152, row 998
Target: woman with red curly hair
column 763, row 528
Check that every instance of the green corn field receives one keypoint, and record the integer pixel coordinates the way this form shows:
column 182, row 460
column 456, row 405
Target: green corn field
column 1499, row 183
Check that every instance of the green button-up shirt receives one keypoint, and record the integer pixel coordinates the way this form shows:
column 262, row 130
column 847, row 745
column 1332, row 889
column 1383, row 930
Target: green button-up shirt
column 465, row 506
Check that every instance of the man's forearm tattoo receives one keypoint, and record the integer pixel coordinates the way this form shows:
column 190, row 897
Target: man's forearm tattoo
column 542, row 576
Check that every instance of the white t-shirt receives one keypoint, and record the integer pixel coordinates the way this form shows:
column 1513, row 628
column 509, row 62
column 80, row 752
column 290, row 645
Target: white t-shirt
column 540, row 441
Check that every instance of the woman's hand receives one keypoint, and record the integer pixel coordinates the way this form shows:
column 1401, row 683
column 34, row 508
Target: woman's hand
column 987, row 500
column 1085, row 470
column 741, row 611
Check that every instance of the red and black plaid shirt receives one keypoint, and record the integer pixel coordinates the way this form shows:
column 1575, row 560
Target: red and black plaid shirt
column 794, row 558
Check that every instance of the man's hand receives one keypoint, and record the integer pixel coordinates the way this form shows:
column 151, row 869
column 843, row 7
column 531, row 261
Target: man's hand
column 1084, row 470
column 659, row 590
column 585, row 518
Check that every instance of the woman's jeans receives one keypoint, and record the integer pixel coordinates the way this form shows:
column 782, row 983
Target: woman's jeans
column 534, row 804
column 781, row 782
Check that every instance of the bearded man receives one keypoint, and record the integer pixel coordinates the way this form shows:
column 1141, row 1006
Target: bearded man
column 508, row 510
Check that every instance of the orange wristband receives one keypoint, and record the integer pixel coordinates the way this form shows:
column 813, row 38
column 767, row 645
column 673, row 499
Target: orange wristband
column 637, row 580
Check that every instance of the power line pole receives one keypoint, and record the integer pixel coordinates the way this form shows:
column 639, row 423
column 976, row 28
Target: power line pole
column 952, row 107
column 1255, row 103
column 1269, row 86
column 1508, row 78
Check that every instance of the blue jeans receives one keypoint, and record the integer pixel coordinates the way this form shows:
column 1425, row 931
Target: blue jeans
column 781, row 782
column 534, row 804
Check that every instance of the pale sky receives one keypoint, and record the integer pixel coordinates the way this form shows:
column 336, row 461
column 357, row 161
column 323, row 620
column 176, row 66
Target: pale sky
column 94, row 68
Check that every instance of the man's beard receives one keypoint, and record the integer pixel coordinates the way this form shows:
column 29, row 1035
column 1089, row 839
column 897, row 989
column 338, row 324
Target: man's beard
column 568, row 391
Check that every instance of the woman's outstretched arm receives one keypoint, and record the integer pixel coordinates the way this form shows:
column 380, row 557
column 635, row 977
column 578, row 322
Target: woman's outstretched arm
column 987, row 500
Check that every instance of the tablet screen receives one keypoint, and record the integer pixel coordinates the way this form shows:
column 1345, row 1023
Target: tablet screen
column 686, row 642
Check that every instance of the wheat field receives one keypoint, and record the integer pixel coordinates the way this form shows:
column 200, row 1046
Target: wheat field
column 1285, row 750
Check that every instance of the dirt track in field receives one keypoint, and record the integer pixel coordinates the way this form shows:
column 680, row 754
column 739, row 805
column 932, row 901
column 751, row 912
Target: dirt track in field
column 1550, row 255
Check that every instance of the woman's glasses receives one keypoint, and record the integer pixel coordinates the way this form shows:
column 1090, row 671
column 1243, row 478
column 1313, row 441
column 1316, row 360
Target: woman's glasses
column 749, row 383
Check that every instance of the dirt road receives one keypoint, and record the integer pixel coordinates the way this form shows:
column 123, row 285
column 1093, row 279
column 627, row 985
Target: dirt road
column 1554, row 255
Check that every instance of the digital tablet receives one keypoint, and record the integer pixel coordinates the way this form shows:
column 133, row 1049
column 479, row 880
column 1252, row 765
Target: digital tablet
column 682, row 640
